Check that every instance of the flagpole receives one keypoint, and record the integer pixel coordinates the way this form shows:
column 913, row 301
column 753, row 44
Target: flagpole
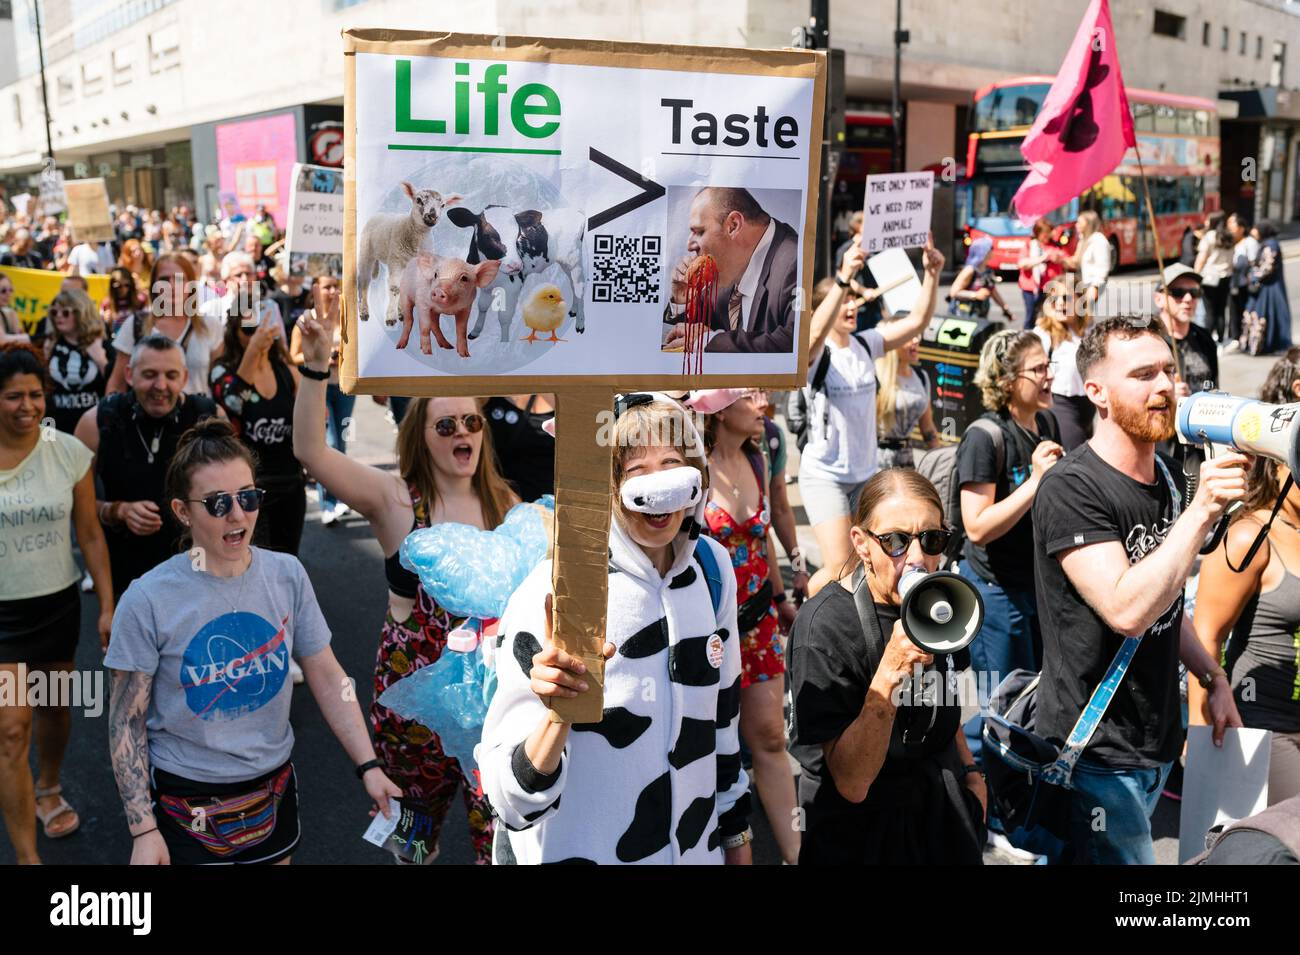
column 1155, row 236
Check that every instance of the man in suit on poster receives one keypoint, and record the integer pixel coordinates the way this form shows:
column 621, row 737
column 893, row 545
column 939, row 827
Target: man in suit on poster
column 757, row 259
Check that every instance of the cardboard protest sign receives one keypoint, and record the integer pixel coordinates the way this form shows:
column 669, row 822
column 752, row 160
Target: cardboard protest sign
column 88, row 210
column 896, row 212
column 581, row 218
column 34, row 290
column 314, row 237
column 570, row 173
column 896, row 280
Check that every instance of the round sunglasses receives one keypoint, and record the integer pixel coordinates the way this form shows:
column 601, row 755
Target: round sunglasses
column 219, row 503
column 446, row 425
column 896, row 543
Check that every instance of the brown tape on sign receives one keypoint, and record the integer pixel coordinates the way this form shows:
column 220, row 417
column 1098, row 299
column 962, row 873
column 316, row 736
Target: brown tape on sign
column 580, row 575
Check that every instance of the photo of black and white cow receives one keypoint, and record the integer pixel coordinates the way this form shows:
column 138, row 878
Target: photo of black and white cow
column 526, row 242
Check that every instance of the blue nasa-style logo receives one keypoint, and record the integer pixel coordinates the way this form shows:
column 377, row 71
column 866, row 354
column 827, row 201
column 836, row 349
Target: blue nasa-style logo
column 234, row 665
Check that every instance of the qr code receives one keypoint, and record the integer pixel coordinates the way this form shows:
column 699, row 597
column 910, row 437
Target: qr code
column 625, row 269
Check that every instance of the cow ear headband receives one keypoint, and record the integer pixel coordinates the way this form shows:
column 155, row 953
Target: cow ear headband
column 662, row 492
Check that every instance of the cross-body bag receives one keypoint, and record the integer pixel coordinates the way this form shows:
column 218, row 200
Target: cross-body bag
column 1028, row 777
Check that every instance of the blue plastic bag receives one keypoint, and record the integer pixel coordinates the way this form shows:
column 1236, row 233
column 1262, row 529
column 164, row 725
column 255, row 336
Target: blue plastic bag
column 471, row 572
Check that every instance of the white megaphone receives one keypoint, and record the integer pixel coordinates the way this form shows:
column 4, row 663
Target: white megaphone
column 942, row 612
column 1215, row 420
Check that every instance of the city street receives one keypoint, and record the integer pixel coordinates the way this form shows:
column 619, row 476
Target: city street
column 345, row 565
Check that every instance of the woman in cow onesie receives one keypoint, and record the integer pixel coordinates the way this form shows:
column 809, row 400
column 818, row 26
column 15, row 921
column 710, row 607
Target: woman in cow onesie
column 659, row 779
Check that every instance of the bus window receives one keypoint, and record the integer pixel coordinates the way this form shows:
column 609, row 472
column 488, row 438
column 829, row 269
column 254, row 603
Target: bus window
column 1007, row 107
column 1130, row 185
column 1203, row 123
column 1166, row 119
column 1164, row 195
column 1187, row 122
column 1187, row 189
column 1144, row 118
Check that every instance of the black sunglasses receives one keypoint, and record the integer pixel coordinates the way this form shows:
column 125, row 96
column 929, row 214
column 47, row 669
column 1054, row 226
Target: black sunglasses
column 896, row 543
column 1180, row 293
column 220, row 503
column 446, row 426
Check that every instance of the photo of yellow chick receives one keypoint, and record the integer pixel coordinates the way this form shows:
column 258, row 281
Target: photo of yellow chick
column 545, row 311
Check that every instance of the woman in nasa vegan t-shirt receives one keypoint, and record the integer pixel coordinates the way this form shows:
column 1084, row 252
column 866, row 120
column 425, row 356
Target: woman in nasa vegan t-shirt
column 841, row 451
column 254, row 379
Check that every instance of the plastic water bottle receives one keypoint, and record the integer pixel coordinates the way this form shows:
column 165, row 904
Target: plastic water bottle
column 448, row 697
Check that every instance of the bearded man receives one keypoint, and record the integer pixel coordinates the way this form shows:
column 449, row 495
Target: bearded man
column 1114, row 545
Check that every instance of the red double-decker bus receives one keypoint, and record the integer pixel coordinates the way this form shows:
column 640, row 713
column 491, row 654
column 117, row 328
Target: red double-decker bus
column 867, row 151
column 1179, row 140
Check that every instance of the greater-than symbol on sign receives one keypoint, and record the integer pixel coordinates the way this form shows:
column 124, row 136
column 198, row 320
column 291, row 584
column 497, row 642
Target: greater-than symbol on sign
column 650, row 190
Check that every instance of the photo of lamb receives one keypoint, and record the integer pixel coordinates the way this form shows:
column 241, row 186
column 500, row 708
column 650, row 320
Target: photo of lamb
column 393, row 240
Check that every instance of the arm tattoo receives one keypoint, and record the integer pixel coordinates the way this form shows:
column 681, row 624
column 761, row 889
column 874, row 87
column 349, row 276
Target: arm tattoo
column 128, row 704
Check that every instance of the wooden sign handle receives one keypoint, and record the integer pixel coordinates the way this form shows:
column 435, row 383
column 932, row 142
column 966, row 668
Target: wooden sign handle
column 580, row 574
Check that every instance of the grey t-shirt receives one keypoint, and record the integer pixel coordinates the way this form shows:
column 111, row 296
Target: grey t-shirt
column 218, row 649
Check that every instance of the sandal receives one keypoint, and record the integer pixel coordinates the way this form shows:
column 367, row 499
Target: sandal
column 45, row 818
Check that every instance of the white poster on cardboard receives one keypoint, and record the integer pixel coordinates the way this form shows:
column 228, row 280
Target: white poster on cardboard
column 314, row 237
column 896, row 211
column 577, row 211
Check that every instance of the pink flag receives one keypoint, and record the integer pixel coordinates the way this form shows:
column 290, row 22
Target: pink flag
column 1085, row 125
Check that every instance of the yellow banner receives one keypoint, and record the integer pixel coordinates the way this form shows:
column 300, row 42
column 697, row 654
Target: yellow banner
column 34, row 289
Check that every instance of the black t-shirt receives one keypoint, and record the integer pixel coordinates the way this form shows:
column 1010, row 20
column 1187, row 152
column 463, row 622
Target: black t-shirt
column 1082, row 500
column 127, row 441
column 1200, row 359
column 264, row 424
column 525, row 453
column 830, row 671
column 78, row 384
column 291, row 306
column 1007, row 561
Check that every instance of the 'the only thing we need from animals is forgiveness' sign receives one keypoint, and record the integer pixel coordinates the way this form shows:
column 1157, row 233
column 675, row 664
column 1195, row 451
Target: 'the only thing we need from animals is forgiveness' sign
column 576, row 213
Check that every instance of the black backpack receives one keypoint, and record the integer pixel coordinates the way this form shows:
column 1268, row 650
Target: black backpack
column 940, row 467
column 800, row 400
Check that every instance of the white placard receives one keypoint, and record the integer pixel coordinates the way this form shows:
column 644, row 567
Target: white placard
column 20, row 202
column 314, row 237
column 897, row 211
column 52, row 200
column 588, row 184
column 1221, row 785
column 894, row 274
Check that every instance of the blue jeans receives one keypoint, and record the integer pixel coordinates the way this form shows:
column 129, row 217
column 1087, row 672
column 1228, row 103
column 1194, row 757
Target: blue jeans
column 1008, row 640
column 1110, row 813
column 338, row 414
column 1031, row 302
